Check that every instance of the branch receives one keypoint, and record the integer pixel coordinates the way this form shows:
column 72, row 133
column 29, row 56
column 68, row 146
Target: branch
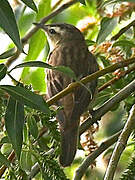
column 113, row 80
column 45, row 19
column 89, row 78
column 25, row 39
column 123, row 30
column 89, row 160
column 117, row 98
column 121, row 144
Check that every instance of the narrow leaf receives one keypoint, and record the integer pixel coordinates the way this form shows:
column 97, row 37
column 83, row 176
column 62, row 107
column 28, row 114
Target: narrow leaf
column 125, row 43
column 4, row 160
column 27, row 97
column 8, row 23
column 38, row 40
column 107, row 26
column 3, row 70
column 63, row 69
column 31, row 4
column 8, row 53
column 89, row 42
column 14, row 122
column 66, row 70
column 32, row 125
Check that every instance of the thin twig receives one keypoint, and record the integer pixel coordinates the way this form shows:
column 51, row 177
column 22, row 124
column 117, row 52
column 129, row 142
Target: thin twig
column 57, row 4
column 89, row 160
column 47, row 18
column 120, row 146
column 117, row 98
column 112, row 81
column 123, row 30
column 89, row 78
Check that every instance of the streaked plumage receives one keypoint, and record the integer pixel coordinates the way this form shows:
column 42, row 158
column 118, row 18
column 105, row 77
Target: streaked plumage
column 68, row 48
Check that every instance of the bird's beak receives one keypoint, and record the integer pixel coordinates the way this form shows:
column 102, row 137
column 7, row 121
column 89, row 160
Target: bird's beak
column 40, row 25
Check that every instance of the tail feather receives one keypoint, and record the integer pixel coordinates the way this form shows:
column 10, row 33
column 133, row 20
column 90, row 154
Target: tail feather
column 68, row 146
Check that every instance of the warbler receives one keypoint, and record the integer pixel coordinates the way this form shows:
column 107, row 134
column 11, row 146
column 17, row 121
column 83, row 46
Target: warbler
column 68, row 48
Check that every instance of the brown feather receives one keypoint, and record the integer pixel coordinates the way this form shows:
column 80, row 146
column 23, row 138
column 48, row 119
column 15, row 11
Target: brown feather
column 83, row 63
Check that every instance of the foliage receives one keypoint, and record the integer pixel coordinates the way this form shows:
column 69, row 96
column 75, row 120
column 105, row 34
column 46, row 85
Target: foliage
column 28, row 123
column 130, row 172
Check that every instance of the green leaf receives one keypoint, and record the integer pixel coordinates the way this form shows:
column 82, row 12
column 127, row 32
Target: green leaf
column 38, row 79
column 8, row 53
column 25, row 22
column 32, row 125
column 4, row 160
column 89, row 42
column 27, row 97
column 14, row 122
column 31, row 4
column 25, row 134
column 26, row 161
column 8, row 23
column 124, row 43
column 38, row 40
column 3, row 70
column 6, row 149
column 66, row 70
column 63, row 69
column 107, row 26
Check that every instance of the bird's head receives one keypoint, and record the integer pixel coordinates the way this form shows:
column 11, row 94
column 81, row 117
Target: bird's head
column 60, row 33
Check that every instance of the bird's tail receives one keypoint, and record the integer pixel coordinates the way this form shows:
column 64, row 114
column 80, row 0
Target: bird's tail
column 68, row 146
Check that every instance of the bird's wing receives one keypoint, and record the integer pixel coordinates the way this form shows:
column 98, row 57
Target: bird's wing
column 76, row 102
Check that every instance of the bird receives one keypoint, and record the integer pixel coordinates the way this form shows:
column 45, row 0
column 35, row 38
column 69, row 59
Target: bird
column 68, row 48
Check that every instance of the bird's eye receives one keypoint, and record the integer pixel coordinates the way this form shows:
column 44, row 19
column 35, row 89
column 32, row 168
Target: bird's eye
column 52, row 31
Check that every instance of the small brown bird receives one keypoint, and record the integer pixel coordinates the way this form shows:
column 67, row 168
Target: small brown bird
column 68, row 48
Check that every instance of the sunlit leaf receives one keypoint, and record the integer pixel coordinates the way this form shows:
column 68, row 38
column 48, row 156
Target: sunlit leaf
column 38, row 79
column 14, row 122
column 31, row 4
column 38, row 40
column 6, row 148
column 8, row 23
column 3, row 70
column 26, row 97
column 25, row 22
column 107, row 26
